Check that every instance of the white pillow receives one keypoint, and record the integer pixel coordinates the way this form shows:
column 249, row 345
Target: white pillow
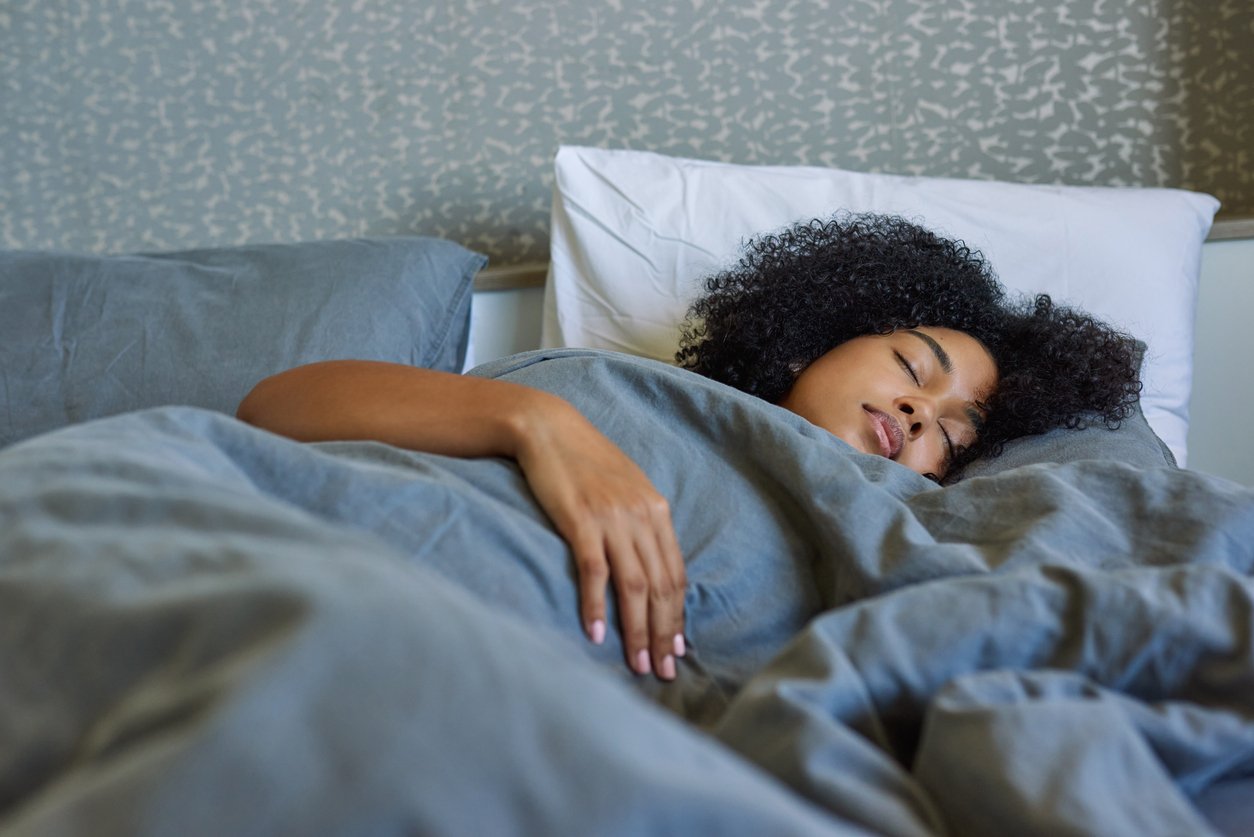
column 634, row 234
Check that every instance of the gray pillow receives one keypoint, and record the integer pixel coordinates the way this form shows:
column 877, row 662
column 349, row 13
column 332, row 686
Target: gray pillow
column 1133, row 443
column 85, row 336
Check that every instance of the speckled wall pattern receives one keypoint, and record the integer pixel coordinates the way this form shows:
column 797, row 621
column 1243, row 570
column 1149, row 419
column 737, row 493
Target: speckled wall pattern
column 156, row 124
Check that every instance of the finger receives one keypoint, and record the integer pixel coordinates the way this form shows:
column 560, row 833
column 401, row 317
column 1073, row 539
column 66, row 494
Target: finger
column 673, row 559
column 593, row 569
column 631, row 584
column 663, row 608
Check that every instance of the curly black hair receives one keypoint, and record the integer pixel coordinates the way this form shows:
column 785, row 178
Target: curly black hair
column 796, row 294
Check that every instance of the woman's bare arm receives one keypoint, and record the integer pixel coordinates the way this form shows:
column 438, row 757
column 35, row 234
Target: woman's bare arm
column 615, row 521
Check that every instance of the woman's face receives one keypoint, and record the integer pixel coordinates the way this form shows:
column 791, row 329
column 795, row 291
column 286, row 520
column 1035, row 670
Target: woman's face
column 913, row 395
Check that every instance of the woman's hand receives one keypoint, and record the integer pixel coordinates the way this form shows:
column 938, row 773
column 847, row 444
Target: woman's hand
column 618, row 527
column 616, row 523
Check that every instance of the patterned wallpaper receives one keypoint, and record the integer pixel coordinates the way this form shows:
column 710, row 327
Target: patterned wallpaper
column 154, row 124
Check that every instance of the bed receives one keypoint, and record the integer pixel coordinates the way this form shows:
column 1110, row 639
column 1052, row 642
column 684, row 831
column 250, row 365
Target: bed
column 209, row 629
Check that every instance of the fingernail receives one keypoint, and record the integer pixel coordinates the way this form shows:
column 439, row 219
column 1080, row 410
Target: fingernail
column 642, row 662
column 668, row 667
column 680, row 648
column 597, row 632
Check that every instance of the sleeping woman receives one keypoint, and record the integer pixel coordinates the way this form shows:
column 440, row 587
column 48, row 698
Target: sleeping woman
column 897, row 341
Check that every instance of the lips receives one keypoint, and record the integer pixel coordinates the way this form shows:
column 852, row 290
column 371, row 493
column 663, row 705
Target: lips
column 888, row 433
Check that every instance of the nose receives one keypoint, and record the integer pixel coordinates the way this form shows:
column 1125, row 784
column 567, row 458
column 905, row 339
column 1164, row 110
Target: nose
column 919, row 414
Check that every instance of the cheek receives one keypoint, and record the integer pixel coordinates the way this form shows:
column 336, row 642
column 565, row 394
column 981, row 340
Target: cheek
column 924, row 456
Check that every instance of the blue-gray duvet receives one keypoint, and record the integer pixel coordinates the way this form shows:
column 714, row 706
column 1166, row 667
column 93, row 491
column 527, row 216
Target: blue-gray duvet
column 209, row 629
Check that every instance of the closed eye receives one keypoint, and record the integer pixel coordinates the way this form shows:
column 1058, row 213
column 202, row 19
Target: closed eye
column 905, row 364
column 949, row 445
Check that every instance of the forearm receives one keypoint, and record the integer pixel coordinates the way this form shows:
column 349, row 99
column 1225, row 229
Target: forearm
column 597, row 498
column 420, row 409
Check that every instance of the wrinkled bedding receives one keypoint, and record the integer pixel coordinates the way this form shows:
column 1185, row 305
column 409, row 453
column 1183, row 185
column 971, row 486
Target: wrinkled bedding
column 208, row 629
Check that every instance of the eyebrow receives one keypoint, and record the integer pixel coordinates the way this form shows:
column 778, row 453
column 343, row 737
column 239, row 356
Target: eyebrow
column 941, row 355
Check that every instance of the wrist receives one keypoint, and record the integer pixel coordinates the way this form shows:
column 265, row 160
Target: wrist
column 535, row 422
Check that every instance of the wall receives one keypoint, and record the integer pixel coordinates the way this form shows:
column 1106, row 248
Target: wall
column 157, row 124
column 152, row 124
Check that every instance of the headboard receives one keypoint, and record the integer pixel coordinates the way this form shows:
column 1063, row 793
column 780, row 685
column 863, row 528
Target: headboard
column 531, row 274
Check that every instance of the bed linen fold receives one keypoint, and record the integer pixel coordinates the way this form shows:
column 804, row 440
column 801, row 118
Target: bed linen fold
column 349, row 635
